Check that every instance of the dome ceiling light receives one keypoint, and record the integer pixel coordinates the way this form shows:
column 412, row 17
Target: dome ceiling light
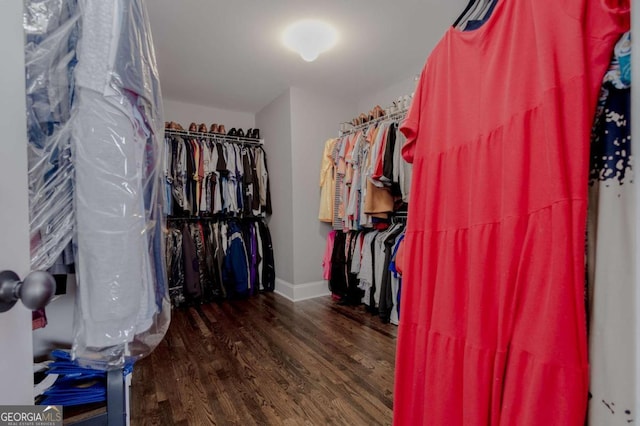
column 309, row 38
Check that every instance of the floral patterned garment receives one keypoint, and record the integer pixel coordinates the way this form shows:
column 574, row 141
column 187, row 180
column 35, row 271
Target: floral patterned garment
column 611, row 230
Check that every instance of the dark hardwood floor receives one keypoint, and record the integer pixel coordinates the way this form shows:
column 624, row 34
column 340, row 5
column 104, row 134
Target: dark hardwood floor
column 268, row 361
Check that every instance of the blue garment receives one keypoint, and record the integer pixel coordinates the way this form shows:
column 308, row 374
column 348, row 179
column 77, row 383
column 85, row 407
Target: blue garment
column 475, row 24
column 76, row 385
column 236, row 266
column 611, row 134
column 392, row 268
column 619, row 73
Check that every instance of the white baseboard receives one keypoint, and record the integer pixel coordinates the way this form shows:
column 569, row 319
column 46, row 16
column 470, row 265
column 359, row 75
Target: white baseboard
column 284, row 289
column 310, row 291
column 299, row 292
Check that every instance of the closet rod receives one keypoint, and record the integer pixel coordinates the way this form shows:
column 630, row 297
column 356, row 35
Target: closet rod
column 217, row 136
column 399, row 115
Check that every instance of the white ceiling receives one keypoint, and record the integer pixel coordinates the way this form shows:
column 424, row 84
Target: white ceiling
column 227, row 53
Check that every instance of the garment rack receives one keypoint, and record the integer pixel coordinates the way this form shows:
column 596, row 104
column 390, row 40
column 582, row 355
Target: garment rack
column 394, row 116
column 216, row 136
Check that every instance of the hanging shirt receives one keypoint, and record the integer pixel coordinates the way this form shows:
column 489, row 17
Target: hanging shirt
column 366, row 273
column 337, row 193
column 180, row 173
column 353, row 204
column 205, row 157
column 239, row 171
column 230, row 199
column 327, row 183
column 264, row 180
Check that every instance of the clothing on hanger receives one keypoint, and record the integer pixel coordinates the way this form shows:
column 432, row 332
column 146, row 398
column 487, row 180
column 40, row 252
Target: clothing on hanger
column 215, row 259
column 360, row 269
column 369, row 178
column 495, row 301
column 213, row 177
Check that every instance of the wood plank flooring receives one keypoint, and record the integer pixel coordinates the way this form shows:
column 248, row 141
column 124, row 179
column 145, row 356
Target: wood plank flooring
column 268, row 361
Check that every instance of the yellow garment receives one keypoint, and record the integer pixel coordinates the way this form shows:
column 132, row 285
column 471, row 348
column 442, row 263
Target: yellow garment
column 327, row 183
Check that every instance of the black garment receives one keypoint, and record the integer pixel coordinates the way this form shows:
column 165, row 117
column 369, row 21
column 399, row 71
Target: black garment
column 176, row 185
column 215, row 258
column 255, row 199
column 253, row 257
column 245, row 229
column 175, row 266
column 259, row 282
column 206, row 283
column 61, row 283
column 192, row 289
column 267, row 208
column 354, row 293
column 387, row 169
column 371, row 306
column 248, row 184
column 338, row 281
column 191, row 184
column 215, row 290
column 268, row 261
column 387, row 163
column 221, row 166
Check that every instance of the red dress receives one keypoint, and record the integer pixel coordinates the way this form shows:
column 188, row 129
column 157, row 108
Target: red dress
column 492, row 328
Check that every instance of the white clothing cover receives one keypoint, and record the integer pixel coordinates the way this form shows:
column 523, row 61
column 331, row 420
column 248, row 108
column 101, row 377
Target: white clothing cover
column 122, row 309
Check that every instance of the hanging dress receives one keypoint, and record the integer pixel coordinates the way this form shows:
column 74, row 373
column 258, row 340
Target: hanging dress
column 493, row 327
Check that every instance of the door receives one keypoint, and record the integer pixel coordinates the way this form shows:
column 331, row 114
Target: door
column 16, row 347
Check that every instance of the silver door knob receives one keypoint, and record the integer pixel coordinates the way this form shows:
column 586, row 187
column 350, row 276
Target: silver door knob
column 35, row 291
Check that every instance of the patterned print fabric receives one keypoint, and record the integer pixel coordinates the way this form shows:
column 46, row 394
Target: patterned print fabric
column 611, row 227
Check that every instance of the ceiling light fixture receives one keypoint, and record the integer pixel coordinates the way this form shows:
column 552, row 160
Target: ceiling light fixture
column 309, row 38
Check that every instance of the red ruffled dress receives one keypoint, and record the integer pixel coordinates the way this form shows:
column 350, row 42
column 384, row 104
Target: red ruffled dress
column 493, row 328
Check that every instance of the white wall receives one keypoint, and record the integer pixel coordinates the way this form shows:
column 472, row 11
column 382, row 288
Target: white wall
column 274, row 122
column 385, row 96
column 184, row 113
column 314, row 118
column 295, row 127
column 16, row 370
